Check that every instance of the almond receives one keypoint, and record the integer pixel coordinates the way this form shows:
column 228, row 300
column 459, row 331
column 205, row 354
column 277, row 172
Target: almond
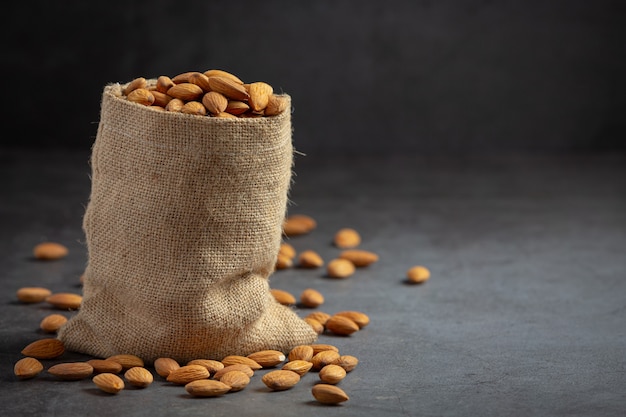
column 276, row 105
column 211, row 365
column 222, row 73
column 332, row 374
column 44, row 349
column 163, row 366
column 236, row 367
column 215, row 102
column 231, row 89
column 315, row 325
column 236, row 380
column 347, row 362
column 52, row 323
column 341, row 325
column 287, row 250
column 310, row 259
column 360, row 258
column 206, row 388
column 185, row 91
column 141, row 96
column 268, row 358
column 361, row 319
column 301, row 352
column 186, row 374
column 27, row 368
column 164, row 83
column 323, row 358
column 418, row 274
column 160, row 99
column 139, row 82
column 49, row 251
column 242, row 360
column 33, row 294
column 283, row 262
column 225, row 115
column 319, row 316
column 311, row 298
column 347, row 238
column 260, row 93
column 174, row 105
column 105, row 366
column 298, row 224
column 183, row 77
column 126, row 360
column 200, row 80
column 321, row 347
column 71, row 371
column 283, row 297
column 65, row 300
column 340, row 268
column 280, row 379
column 329, row 394
column 194, row 107
column 298, row 366
column 236, row 107
column 138, row 376
column 108, row 382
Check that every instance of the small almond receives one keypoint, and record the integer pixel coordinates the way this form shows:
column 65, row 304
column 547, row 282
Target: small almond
column 222, row 73
column 347, row 362
column 341, row 325
column 27, row 368
column 332, row 374
column 138, row 376
column 231, row 89
column 236, row 367
column 49, row 251
column 174, row 105
column 141, row 96
column 194, row 107
column 268, row 358
column 283, row 297
column 163, row 366
column 71, row 371
column 183, row 77
column 211, row 365
column 52, row 323
column 340, row 268
column 108, row 382
column 215, row 102
column 321, row 347
column 160, row 99
column 360, row 258
column 206, row 388
column 298, row 366
column 186, row 374
column 361, row 319
column 200, row 80
column 280, row 380
column 347, row 238
column 44, row 349
column 105, row 366
column 283, row 262
column 276, row 105
column 260, row 93
column 127, row 360
column 226, row 115
column 418, row 274
column 320, row 316
column 139, row 82
column 65, row 300
column 287, row 250
column 236, row 380
column 315, row 325
column 33, row 294
column 301, row 352
column 185, row 91
column 236, row 107
column 310, row 259
column 311, row 298
column 298, row 224
column 164, row 83
column 323, row 358
column 243, row 360
column 329, row 394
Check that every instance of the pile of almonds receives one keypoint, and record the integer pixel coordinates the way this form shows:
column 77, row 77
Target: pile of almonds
column 214, row 92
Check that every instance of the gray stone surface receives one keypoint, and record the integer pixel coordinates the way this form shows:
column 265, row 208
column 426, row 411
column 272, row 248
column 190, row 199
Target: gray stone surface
column 524, row 314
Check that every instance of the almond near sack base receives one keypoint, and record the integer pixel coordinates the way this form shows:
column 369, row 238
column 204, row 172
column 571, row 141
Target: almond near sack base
column 183, row 227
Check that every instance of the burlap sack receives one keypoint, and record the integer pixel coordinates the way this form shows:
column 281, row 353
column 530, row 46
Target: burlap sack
column 183, row 227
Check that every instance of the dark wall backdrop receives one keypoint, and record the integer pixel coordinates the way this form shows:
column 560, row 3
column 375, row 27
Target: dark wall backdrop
column 409, row 75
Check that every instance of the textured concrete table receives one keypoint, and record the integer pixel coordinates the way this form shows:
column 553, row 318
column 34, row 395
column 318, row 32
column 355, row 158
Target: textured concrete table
column 525, row 312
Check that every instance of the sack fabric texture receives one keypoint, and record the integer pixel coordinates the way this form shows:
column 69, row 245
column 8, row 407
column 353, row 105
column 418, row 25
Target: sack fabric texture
column 183, row 227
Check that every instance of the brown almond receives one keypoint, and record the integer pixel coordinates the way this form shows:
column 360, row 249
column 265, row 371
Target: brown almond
column 163, row 84
column 361, row 319
column 268, row 358
column 127, row 360
column 325, row 357
column 138, row 376
column 52, row 323
column 49, row 251
column 236, row 380
column 298, row 366
column 347, row 362
column 329, row 394
column 105, row 366
column 222, row 73
column 310, row 259
column 341, row 325
column 200, row 80
column 298, row 224
column 186, row 374
column 163, row 366
column 33, row 294
column 287, row 250
column 231, row 89
column 340, row 268
column 174, row 105
column 243, row 360
column 315, row 325
column 141, row 96
column 301, row 352
column 347, row 238
column 311, row 298
column 27, row 368
column 320, row 316
column 139, row 82
column 280, row 380
column 321, row 347
column 236, row 367
column 211, row 365
column 183, row 77
column 332, row 374
column 215, row 102
column 283, row 297
column 276, row 105
column 260, row 93
column 418, row 274
column 236, row 107
column 157, row 108
column 65, row 300
column 360, row 258
column 185, row 91
column 225, row 115
column 160, row 99
column 71, row 371
column 194, row 107
column 206, row 388
column 283, row 262
column 44, row 349
column 108, row 382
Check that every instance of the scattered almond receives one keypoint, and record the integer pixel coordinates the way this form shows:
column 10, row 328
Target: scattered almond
column 298, row 366
column 126, row 360
column 186, row 374
column 242, row 360
column 361, row 319
column 360, row 258
column 315, row 325
column 138, row 376
column 280, row 379
column 268, row 358
column 310, row 259
column 52, row 323
column 347, row 238
column 323, row 358
column 320, row 347
column 206, row 388
column 163, row 366
column 49, row 251
column 33, row 294
column 27, row 368
column 298, row 224
column 236, row 367
column 329, row 394
column 287, row 250
column 332, row 374
column 319, row 316
column 211, row 365
column 340, row 268
column 347, row 362
column 418, row 274
column 44, row 349
column 283, row 297
column 311, row 298
column 236, row 380
column 65, row 300
column 301, row 352
column 341, row 325
column 71, row 371
column 283, row 262
column 108, row 382
column 105, row 366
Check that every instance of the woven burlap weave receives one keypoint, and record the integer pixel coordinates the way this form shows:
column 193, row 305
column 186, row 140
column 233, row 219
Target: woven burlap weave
column 182, row 228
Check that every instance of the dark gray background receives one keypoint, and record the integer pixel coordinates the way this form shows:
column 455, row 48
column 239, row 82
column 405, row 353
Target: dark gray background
column 424, row 76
